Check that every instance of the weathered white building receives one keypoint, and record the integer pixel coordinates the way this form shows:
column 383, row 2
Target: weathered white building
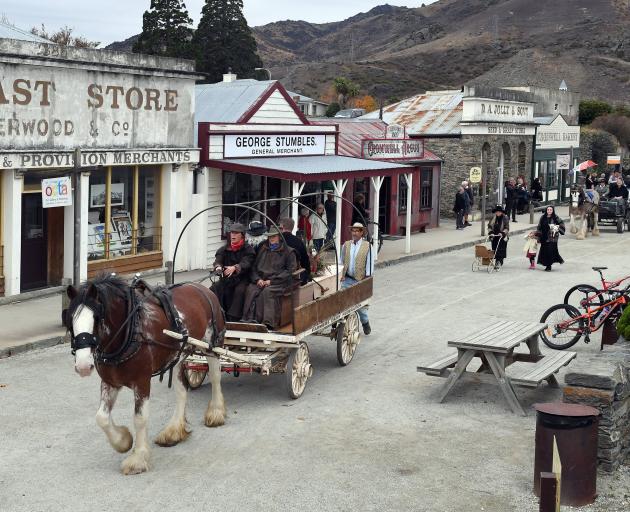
column 131, row 116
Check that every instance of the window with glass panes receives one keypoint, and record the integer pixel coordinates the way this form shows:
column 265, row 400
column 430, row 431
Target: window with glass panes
column 241, row 188
column 426, row 188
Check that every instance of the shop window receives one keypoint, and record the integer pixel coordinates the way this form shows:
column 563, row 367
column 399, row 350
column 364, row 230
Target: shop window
column 541, row 168
column 552, row 174
column 241, row 188
column 426, row 188
column 402, row 194
column 129, row 223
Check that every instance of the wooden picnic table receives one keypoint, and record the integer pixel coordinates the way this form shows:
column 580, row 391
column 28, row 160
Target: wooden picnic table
column 495, row 345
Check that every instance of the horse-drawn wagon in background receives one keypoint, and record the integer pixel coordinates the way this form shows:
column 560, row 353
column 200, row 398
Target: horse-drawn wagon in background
column 320, row 308
column 615, row 212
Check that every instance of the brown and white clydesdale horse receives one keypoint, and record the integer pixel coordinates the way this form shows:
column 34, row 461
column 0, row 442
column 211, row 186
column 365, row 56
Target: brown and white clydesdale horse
column 117, row 328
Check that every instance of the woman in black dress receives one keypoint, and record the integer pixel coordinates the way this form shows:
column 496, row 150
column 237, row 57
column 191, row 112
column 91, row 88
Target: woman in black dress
column 550, row 227
column 499, row 226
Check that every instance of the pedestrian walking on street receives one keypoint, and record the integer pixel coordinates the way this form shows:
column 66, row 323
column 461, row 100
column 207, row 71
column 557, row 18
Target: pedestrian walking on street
column 531, row 248
column 537, row 190
column 471, row 200
column 511, row 199
column 549, row 229
column 499, row 226
column 460, row 207
column 358, row 263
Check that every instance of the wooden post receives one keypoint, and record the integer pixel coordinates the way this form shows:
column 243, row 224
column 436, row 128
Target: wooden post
column 377, row 182
column 409, row 179
column 484, row 187
column 108, row 209
column 134, row 211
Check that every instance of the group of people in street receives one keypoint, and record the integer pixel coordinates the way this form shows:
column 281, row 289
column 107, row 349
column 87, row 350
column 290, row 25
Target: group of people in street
column 318, row 227
column 464, row 200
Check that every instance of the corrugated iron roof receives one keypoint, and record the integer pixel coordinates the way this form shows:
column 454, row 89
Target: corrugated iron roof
column 226, row 102
column 8, row 31
column 431, row 113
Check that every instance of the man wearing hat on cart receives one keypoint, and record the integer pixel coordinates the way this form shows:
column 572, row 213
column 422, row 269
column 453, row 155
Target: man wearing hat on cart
column 271, row 276
column 358, row 263
column 233, row 262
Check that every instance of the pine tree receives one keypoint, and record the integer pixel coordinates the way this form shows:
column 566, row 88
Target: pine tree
column 223, row 40
column 166, row 30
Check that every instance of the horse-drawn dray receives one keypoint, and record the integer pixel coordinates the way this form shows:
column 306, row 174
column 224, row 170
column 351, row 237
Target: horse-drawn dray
column 616, row 212
column 252, row 348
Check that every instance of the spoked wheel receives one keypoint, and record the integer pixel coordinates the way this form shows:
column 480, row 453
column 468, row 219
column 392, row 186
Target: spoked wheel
column 195, row 377
column 582, row 295
column 564, row 328
column 298, row 370
column 493, row 266
column 348, row 339
column 475, row 265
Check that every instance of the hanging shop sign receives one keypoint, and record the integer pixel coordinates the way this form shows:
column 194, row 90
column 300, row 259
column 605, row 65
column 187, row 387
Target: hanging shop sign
column 267, row 145
column 395, row 131
column 392, row 149
column 56, row 192
column 563, row 162
column 613, row 159
column 475, row 175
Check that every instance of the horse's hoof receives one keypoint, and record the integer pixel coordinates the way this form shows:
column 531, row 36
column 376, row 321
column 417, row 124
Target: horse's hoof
column 134, row 464
column 595, row 233
column 214, row 418
column 580, row 237
column 574, row 230
column 170, row 436
column 122, row 441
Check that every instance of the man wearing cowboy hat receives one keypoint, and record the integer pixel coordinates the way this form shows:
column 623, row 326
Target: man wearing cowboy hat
column 232, row 262
column 356, row 257
column 271, row 276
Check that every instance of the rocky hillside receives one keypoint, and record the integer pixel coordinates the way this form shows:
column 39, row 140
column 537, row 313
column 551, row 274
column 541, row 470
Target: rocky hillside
column 397, row 51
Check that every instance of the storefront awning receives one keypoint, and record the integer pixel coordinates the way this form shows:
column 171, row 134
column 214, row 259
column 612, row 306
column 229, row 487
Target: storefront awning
column 311, row 168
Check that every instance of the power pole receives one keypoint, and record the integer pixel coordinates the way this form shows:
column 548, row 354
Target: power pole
column 77, row 218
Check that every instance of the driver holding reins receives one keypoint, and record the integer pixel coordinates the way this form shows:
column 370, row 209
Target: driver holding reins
column 233, row 262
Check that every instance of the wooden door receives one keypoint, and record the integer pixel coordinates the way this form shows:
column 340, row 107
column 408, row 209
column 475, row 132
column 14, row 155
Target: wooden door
column 54, row 230
column 33, row 265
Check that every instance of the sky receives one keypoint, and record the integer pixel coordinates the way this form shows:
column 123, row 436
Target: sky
column 116, row 20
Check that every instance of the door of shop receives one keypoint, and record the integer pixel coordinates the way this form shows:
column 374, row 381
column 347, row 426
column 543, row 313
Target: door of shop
column 384, row 206
column 34, row 260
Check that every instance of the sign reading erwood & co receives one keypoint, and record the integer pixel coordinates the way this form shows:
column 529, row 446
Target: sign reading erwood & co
column 392, row 149
column 250, row 146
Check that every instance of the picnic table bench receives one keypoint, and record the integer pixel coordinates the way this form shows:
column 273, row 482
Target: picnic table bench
column 495, row 345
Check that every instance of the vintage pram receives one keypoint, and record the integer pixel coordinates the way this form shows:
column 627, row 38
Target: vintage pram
column 484, row 256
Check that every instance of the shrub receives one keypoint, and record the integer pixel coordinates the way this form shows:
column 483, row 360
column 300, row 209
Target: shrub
column 623, row 324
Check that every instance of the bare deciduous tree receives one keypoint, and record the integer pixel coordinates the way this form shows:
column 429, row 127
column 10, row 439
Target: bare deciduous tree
column 64, row 37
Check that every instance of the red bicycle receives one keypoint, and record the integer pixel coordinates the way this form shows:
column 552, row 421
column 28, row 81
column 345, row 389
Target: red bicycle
column 582, row 295
column 566, row 325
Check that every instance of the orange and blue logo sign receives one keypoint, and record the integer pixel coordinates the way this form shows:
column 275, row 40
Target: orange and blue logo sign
column 56, row 192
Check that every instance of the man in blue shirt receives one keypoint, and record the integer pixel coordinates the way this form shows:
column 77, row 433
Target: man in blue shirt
column 358, row 263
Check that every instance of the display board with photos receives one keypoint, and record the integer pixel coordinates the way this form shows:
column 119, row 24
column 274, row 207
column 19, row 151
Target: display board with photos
column 120, row 237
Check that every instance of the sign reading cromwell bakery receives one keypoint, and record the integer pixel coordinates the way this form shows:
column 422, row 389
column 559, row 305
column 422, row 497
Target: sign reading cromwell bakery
column 392, row 149
column 249, row 146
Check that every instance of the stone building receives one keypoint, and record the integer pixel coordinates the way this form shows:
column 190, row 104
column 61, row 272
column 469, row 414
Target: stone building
column 473, row 127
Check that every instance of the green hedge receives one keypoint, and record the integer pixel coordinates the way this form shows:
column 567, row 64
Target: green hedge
column 623, row 325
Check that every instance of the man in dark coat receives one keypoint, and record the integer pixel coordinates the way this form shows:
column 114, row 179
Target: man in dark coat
column 461, row 201
column 233, row 262
column 271, row 276
column 511, row 199
column 286, row 225
column 618, row 189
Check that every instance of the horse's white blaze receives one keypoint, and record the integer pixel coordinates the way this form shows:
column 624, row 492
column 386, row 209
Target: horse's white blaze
column 83, row 321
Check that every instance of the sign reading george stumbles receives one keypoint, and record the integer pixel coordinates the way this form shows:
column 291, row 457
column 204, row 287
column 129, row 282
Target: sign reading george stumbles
column 392, row 149
column 65, row 159
column 265, row 145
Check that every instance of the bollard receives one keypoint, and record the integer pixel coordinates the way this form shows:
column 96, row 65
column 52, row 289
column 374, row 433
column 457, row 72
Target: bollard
column 575, row 429
column 168, row 278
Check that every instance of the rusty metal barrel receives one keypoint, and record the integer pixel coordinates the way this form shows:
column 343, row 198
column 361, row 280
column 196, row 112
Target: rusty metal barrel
column 575, row 429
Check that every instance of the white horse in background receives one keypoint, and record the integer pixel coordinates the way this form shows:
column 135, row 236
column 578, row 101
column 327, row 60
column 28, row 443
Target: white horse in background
column 584, row 206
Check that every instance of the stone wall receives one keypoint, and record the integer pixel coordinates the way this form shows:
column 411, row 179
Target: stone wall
column 462, row 153
column 602, row 380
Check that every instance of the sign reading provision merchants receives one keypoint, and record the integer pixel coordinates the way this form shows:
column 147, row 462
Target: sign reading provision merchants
column 392, row 149
column 253, row 146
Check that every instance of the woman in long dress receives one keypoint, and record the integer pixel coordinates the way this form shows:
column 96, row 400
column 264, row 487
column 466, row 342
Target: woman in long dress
column 550, row 227
column 499, row 226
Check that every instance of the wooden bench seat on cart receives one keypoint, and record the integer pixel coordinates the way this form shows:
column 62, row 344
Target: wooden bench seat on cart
column 532, row 374
column 439, row 367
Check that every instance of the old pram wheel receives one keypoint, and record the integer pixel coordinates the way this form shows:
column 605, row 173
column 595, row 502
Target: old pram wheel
column 348, row 338
column 194, row 377
column 298, row 370
column 476, row 265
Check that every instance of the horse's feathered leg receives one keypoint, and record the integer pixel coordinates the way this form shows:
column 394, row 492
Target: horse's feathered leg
column 138, row 461
column 574, row 229
column 581, row 234
column 176, row 431
column 119, row 437
column 215, row 414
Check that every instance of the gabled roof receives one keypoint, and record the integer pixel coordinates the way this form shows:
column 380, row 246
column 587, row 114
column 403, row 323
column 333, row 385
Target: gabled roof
column 237, row 101
column 305, row 99
column 431, row 113
column 8, row 31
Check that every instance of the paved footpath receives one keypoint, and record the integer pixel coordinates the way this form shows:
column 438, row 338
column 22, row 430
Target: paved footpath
column 367, row 437
column 36, row 323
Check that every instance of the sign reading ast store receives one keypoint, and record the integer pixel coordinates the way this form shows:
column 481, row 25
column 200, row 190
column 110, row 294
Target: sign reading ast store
column 57, row 107
column 249, row 146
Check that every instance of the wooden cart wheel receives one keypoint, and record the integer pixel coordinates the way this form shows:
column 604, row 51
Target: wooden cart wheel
column 348, row 338
column 298, row 370
column 195, row 377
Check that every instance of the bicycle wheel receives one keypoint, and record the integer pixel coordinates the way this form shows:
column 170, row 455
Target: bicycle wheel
column 582, row 295
column 564, row 326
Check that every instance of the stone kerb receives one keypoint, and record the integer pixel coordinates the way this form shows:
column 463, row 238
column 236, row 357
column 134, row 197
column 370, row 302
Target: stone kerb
column 602, row 380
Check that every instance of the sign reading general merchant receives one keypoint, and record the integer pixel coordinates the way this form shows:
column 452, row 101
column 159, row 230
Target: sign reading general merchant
column 265, row 145
column 62, row 104
column 392, row 149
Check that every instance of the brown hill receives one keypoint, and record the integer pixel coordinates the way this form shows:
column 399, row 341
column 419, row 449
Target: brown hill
column 397, row 51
